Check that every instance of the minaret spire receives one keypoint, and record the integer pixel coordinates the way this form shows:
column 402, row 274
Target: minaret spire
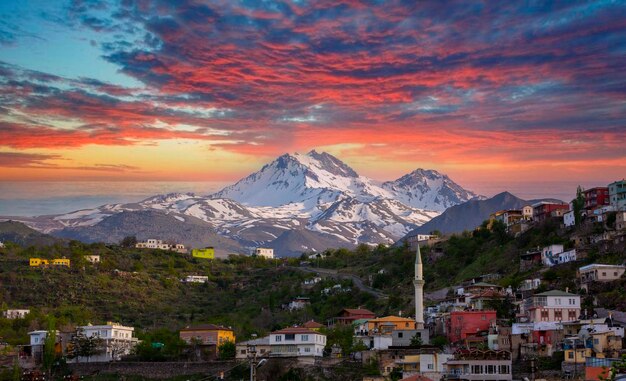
column 418, row 282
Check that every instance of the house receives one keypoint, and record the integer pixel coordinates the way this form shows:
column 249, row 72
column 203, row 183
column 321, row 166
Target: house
column 600, row 273
column 480, row 287
column 550, row 255
column 530, row 284
column 569, row 218
column 425, row 362
column 159, row 244
column 92, row 258
column 544, row 210
column 15, row 314
column 617, row 194
column 207, row 335
column 261, row 347
column 1, row 245
column 596, row 197
column 461, row 324
column 420, row 239
column 264, row 252
column 39, row 262
column 312, row 281
column 390, row 323
column 195, row 279
column 297, row 342
column 404, row 337
column 348, row 315
column 298, row 303
column 530, row 259
column 527, row 212
column 313, row 325
column 552, row 305
column 206, row 253
column 37, row 343
column 477, row 364
column 118, row 341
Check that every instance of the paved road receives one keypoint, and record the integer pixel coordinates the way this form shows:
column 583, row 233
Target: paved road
column 337, row 275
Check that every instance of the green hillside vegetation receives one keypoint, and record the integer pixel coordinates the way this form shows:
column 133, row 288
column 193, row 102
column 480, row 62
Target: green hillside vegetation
column 142, row 288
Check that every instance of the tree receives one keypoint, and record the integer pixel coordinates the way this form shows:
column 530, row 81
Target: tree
column 83, row 346
column 227, row 350
column 416, row 340
column 129, row 241
column 579, row 204
column 49, row 347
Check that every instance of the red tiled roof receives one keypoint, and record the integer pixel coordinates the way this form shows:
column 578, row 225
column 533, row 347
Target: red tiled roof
column 416, row 378
column 206, row 327
column 294, row 330
column 312, row 324
column 358, row 311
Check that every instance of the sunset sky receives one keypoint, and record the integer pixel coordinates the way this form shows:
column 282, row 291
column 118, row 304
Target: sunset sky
column 209, row 91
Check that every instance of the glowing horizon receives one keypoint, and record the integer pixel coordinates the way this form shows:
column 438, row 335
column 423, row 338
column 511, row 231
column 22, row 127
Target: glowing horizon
column 212, row 90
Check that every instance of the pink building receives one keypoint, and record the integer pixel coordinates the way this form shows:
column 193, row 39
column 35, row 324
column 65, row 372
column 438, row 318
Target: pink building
column 553, row 305
column 462, row 324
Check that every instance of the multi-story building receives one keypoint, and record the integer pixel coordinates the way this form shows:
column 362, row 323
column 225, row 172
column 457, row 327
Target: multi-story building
column 569, row 218
column 552, row 306
column 596, row 197
column 479, row 365
column 461, row 324
column 297, row 342
column 554, row 255
column 117, row 341
column 390, row 323
column 597, row 272
column 15, row 314
column 159, row 244
column 348, row 315
column 617, row 194
column 544, row 210
column 299, row 303
column 264, row 252
column 207, row 334
column 527, row 212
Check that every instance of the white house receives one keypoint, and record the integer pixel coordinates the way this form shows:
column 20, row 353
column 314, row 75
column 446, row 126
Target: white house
column 530, row 284
column 550, row 255
column 569, row 219
column 1, row 245
column 37, row 342
column 527, row 212
column 195, row 279
column 297, row 342
column 92, row 258
column 159, row 244
column 553, row 306
column 15, row 314
column 264, row 252
column 117, row 340
column 299, row 303
column 567, row 256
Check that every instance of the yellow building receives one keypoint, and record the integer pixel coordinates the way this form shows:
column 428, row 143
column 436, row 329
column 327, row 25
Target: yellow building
column 207, row 334
column 206, row 253
column 38, row 262
column 390, row 323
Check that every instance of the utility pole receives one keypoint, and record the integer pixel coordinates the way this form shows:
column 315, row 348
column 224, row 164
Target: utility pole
column 252, row 357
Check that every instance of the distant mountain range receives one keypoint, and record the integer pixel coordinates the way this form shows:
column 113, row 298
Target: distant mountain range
column 296, row 203
column 470, row 214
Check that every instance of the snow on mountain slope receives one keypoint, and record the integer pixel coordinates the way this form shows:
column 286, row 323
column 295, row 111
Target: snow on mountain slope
column 308, row 196
column 428, row 189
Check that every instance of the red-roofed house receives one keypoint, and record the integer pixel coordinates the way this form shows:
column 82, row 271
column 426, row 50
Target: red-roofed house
column 297, row 342
column 349, row 315
column 313, row 325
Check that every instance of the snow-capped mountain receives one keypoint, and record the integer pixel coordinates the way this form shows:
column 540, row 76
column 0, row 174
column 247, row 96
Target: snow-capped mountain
column 296, row 203
column 428, row 189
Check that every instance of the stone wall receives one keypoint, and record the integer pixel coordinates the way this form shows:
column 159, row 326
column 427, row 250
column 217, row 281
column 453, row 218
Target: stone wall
column 153, row 369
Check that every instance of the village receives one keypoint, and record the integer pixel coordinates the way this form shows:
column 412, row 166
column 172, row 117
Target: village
column 476, row 330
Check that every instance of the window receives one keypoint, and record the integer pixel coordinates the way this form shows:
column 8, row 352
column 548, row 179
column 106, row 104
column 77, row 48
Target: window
column 290, row 337
column 477, row 369
column 406, row 325
column 504, row 369
column 558, row 301
column 304, row 337
column 400, row 334
column 596, row 341
column 570, row 355
column 278, row 338
column 491, row 369
column 430, row 366
column 544, row 315
column 307, row 349
column 243, row 351
column 558, row 315
column 603, row 273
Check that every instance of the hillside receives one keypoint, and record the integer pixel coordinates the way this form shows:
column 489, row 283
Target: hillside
column 470, row 214
column 19, row 233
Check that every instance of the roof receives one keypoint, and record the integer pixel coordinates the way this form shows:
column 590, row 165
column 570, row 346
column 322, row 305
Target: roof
column 295, row 330
column 206, row 327
column 260, row 341
column 360, row 321
column 483, row 284
column 358, row 311
column 555, row 293
column 600, row 265
column 312, row 324
column 391, row 318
